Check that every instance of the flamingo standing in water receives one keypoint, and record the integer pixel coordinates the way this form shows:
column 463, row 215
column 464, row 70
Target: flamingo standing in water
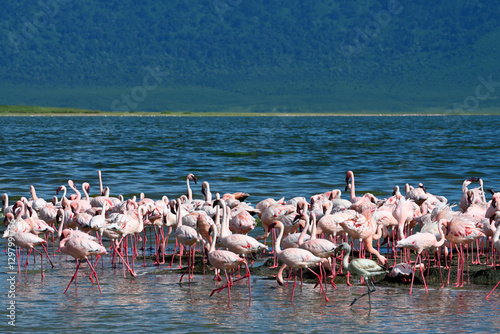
column 24, row 239
column 224, row 260
column 461, row 230
column 296, row 258
column 420, row 242
column 319, row 247
column 496, row 244
column 185, row 236
column 80, row 247
column 238, row 243
column 363, row 267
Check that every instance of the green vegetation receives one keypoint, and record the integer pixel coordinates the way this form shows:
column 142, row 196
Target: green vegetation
column 250, row 56
column 50, row 111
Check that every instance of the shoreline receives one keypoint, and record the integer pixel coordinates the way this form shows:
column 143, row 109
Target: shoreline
column 35, row 111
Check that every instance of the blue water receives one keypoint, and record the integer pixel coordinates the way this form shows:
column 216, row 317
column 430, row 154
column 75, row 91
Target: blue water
column 265, row 157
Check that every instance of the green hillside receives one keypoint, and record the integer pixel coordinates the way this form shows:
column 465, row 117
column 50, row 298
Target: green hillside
column 229, row 55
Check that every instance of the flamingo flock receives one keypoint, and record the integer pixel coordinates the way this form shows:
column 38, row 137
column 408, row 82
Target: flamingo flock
column 310, row 233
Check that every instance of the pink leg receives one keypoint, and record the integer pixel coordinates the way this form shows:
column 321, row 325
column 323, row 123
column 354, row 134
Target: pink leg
column 294, row 283
column 74, row 276
column 95, row 274
column 488, row 296
column 413, row 276
column 320, row 284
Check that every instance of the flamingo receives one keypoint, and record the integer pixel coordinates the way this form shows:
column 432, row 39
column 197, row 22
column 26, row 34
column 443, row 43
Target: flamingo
column 420, row 242
column 190, row 177
column 363, row 227
column 418, row 195
column 85, row 205
column 496, row 244
column 239, row 243
column 296, row 258
column 479, row 193
column 241, row 221
column 129, row 224
column 80, row 247
column 350, row 176
column 184, row 236
column 462, row 230
column 402, row 271
column 319, row 247
column 6, row 207
column 365, row 268
column 24, row 239
column 493, row 205
column 224, row 260
column 205, row 190
column 37, row 203
column 98, row 222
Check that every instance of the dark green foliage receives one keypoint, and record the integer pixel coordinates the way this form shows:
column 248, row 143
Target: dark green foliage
column 425, row 54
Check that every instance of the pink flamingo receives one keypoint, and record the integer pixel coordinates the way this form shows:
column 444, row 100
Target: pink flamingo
column 184, row 236
column 190, row 177
column 496, row 244
column 350, row 176
column 27, row 241
column 465, row 200
column 238, row 243
column 321, row 248
column 241, row 221
column 84, row 204
column 363, row 228
column 297, row 258
column 462, row 230
column 125, row 225
column 80, row 247
column 420, row 242
column 6, row 207
column 224, row 260
column 493, row 205
column 418, row 195
column 205, row 190
column 37, row 203
column 403, row 213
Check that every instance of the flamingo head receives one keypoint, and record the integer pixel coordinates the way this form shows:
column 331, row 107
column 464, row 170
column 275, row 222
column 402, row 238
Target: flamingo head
column 192, row 178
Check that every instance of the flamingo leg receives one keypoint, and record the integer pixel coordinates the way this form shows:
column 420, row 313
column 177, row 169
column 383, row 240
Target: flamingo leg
column 74, row 276
column 320, row 278
column 488, row 296
column 95, row 274
column 413, row 276
column 366, row 293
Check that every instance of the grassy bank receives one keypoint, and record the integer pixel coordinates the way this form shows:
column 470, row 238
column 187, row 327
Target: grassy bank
column 53, row 111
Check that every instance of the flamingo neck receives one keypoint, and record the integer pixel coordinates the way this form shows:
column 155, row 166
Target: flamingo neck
column 278, row 239
column 101, row 189
column 304, row 230
column 353, row 191
column 189, row 192
column 441, row 234
column 179, row 213
column 314, row 223
column 225, row 223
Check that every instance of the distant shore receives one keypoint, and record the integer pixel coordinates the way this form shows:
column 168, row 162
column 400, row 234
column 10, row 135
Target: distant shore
column 34, row 111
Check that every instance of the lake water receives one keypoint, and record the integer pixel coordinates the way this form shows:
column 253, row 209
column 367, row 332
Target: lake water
column 265, row 157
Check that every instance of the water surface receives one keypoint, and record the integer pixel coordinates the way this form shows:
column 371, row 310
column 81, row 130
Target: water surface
column 265, row 157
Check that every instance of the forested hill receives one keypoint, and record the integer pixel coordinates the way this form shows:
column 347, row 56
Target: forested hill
column 347, row 55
